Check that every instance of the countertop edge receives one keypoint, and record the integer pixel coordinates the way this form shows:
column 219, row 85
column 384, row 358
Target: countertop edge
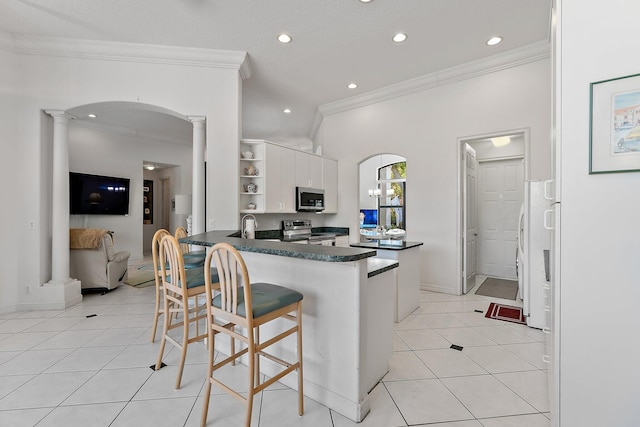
column 292, row 250
column 377, row 266
column 381, row 246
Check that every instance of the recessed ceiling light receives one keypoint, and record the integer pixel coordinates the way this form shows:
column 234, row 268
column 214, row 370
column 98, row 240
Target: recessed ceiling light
column 287, row 111
column 365, row 1
column 284, row 38
column 400, row 37
column 352, row 85
column 494, row 40
column 93, row 116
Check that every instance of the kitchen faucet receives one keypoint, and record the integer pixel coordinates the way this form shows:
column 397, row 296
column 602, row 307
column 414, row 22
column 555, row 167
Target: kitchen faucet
column 244, row 224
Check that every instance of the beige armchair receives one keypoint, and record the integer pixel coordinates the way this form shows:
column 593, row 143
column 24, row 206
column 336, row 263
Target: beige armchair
column 93, row 259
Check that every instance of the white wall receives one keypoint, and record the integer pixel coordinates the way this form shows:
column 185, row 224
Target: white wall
column 31, row 83
column 600, row 272
column 424, row 127
column 12, row 175
column 121, row 155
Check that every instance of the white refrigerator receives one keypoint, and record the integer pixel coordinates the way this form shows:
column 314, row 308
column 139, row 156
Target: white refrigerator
column 534, row 238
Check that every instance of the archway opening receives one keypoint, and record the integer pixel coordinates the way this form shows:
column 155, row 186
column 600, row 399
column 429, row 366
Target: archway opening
column 382, row 197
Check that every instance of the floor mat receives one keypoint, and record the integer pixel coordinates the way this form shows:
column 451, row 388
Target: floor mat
column 498, row 288
column 507, row 313
column 141, row 279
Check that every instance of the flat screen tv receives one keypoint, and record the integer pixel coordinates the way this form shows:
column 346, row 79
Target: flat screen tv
column 98, row 195
column 368, row 218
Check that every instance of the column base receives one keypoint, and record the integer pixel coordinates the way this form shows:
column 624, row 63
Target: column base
column 59, row 294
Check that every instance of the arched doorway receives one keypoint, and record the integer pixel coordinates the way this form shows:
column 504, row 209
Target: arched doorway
column 119, row 139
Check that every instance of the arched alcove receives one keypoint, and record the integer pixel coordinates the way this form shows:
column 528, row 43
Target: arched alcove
column 381, row 198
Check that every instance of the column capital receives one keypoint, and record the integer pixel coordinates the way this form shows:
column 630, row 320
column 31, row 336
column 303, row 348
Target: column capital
column 197, row 119
column 59, row 114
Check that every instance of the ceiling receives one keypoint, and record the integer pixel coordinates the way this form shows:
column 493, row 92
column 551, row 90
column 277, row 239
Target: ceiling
column 335, row 42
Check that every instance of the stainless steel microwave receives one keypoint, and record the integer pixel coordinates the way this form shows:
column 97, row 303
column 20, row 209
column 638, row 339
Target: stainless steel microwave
column 309, row 199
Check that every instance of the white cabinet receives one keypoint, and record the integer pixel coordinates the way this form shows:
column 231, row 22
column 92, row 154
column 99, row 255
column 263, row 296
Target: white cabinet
column 330, row 185
column 269, row 174
column 308, row 170
column 279, row 179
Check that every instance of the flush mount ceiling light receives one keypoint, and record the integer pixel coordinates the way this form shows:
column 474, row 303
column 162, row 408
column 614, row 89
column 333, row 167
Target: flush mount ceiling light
column 500, row 141
column 149, row 167
column 93, row 116
column 365, row 1
column 284, row 38
column 399, row 38
column 494, row 40
column 352, row 85
column 287, row 111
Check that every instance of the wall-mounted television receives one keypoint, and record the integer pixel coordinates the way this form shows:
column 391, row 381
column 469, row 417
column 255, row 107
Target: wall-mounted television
column 368, row 218
column 98, row 195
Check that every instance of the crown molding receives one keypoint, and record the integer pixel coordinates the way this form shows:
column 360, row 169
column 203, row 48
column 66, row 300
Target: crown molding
column 513, row 58
column 129, row 52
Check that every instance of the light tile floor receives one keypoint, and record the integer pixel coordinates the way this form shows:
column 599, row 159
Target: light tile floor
column 63, row 368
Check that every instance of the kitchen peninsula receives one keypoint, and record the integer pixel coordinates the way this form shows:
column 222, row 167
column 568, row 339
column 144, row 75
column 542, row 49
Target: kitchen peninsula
column 407, row 287
column 347, row 323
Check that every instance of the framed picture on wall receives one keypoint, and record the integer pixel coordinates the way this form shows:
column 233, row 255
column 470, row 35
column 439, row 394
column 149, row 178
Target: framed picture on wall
column 614, row 143
column 147, row 202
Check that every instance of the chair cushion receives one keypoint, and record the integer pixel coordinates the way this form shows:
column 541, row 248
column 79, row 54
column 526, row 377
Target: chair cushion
column 194, row 258
column 195, row 277
column 189, row 264
column 265, row 298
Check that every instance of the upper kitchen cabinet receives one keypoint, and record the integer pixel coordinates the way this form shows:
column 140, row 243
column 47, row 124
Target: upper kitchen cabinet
column 330, row 185
column 308, row 170
column 269, row 174
column 279, row 179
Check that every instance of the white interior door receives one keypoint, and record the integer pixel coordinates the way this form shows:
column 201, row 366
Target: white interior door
column 469, row 219
column 500, row 193
column 165, row 204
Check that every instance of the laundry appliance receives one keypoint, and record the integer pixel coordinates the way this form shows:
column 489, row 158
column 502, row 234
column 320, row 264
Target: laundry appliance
column 534, row 238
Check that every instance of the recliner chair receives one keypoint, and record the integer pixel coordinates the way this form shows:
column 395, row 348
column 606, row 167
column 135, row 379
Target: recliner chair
column 99, row 266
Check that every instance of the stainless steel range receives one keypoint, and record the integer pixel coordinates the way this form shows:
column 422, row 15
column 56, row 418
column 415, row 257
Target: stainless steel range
column 299, row 231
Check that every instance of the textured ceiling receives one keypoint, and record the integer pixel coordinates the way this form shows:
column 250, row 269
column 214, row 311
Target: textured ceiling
column 334, row 42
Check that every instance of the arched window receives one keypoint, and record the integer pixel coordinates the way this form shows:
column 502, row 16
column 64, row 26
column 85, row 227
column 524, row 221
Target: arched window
column 392, row 182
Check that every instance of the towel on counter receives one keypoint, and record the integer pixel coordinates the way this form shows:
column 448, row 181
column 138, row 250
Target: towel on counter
column 86, row 238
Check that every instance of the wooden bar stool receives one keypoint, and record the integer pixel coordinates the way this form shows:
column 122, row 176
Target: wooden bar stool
column 248, row 305
column 189, row 255
column 178, row 287
column 193, row 266
column 155, row 250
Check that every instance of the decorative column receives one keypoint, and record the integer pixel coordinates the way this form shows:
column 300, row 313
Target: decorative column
column 69, row 292
column 198, row 193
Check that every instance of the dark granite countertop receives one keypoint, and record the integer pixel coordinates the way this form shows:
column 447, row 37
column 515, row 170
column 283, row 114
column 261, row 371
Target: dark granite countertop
column 391, row 245
column 265, row 245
